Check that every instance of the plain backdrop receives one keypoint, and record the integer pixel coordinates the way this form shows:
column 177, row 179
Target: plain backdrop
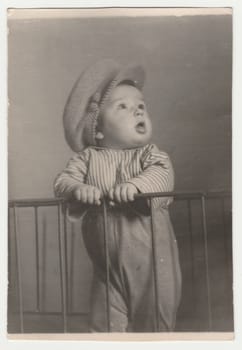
column 188, row 63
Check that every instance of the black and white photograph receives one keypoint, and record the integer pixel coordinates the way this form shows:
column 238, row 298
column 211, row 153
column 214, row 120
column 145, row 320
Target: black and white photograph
column 120, row 172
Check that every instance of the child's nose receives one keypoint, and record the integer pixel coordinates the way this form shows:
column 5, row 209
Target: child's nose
column 138, row 110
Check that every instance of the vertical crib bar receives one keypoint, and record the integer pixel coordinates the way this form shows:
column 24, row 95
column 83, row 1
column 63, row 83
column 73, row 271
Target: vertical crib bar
column 227, row 250
column 9, row 253
column 225, row 232
column 37, row 258
column 155, row 272
column 19, row 275
column 71, row 267
column 106, row 248
column 43, row 254
column 205, row 236
column 66, row 255
column 191, row 238
column 62, row 260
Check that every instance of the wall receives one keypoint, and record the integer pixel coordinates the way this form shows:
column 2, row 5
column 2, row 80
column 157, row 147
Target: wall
column 188, row 92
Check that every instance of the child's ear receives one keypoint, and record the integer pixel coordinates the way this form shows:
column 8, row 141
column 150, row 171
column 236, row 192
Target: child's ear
column 99, row 135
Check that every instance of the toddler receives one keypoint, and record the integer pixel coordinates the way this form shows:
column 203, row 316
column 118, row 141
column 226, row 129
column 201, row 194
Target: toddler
column 108, row 126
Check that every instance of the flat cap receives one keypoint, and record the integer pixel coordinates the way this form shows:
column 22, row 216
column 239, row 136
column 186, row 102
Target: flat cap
column 89, row 92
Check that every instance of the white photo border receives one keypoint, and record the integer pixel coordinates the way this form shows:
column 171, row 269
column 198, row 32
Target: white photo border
column 236, row 6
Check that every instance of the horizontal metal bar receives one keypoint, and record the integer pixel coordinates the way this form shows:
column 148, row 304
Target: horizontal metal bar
column 185, row 195
column 29, row 202
column 176, row 194
column 51, row 313
column 219, row 194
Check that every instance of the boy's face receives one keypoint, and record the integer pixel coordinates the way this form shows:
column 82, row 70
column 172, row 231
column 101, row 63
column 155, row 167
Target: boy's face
column 125, row 122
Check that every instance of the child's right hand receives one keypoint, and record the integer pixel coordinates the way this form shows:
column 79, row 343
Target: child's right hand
column 88, row 194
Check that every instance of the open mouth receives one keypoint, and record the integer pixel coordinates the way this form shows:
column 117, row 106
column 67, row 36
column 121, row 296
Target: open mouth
column 140, row 128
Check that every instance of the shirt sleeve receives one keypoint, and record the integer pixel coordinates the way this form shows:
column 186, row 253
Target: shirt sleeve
column 72, row 177
column 157, row 175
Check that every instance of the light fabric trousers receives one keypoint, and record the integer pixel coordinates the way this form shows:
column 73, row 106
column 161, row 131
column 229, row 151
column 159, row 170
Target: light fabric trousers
column 132, row 296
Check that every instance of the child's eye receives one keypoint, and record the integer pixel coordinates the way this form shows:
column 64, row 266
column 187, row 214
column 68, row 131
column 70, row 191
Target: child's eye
column 141, row 106
column 122, row 106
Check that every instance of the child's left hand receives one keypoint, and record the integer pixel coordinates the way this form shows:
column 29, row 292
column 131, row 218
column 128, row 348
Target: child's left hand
column 123, row 192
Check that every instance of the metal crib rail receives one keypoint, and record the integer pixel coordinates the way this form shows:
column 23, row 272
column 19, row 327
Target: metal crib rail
column 60, row 204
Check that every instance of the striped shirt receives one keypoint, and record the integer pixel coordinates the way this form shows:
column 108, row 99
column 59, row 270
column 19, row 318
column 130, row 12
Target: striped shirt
column 148, row 168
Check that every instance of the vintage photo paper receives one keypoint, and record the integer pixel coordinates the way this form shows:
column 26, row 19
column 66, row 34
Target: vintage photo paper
column 186, row 54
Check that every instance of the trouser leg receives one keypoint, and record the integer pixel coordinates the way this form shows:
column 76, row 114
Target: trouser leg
column 132, row 271
column 138, row 267
column 144, row 318
column 98, row 312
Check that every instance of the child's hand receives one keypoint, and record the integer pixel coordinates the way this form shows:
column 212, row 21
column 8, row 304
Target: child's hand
column 123, row 192
column 88, row 194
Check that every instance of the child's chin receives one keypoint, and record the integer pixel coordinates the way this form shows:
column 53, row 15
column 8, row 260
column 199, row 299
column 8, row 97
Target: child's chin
column 144, row 141
column 140, row 144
